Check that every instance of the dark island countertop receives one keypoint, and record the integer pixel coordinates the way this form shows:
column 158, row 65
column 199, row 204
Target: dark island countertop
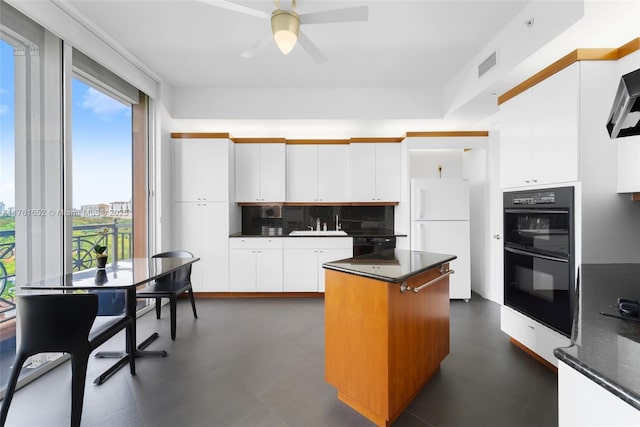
column 604, row 348
column 349, row 234
column 391, row 265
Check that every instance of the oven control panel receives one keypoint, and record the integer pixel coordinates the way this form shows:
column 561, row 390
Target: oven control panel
column 537, row 198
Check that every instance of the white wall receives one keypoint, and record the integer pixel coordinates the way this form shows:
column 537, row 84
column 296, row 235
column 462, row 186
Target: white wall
column 425, row 163
column 475, row 171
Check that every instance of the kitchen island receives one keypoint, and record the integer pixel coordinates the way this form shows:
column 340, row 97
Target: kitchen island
column 386, row 328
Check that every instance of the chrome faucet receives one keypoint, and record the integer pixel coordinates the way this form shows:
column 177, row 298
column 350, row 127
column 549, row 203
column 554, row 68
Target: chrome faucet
column 337, row 222
column 317, row 224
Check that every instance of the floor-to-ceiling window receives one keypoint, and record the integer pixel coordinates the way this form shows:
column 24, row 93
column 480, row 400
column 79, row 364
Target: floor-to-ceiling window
column 101, row 177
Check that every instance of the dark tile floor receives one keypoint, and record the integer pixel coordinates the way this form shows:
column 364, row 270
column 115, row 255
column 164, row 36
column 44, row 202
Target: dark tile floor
column 260, row 362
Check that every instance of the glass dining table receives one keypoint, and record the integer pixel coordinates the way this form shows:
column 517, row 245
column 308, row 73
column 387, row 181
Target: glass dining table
column 127, row 276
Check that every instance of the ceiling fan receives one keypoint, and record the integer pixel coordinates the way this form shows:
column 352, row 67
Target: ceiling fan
column 286, row 22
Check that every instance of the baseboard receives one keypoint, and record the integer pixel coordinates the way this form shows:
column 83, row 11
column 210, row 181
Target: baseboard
column 256, row 295
column 531, row 353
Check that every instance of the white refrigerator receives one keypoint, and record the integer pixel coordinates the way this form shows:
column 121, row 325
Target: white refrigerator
column 440, row 223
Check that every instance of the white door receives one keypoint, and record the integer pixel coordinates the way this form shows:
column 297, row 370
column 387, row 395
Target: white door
column 300, row 270
column 269, row 270
column 388, row 172
column 447, row 237
column 242, row 270
column 302, row 173
column 362, row 172
column 272, row 172
column 247, row 173
column 187, row 170
column 214, row 235
column 187, row 235
column 441, row 199
column 333, row 173
column 215, row 170
column 515, row 141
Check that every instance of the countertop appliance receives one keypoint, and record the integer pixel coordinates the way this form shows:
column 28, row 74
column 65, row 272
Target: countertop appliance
column 539, row 267
column 624, row 119
column 440, row 223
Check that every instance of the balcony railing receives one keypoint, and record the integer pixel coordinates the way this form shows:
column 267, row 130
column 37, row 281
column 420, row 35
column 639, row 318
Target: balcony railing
column 115, row 236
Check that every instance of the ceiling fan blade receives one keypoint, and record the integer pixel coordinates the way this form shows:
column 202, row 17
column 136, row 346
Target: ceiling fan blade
column 224, row 4
column 349, row 14
column 257, row 46
column 311, row 48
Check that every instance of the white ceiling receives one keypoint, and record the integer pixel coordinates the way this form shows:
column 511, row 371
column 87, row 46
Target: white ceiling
column 404, row 44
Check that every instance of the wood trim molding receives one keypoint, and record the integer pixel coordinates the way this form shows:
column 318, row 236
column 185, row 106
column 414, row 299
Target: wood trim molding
column 374, row 140
column 259, row 140
column 635, row 197
column 582, row 54
column 140, row 173
column 199, row 135
column 256, row 295
column 317, row 141
column 531, row 353
column 455, row 133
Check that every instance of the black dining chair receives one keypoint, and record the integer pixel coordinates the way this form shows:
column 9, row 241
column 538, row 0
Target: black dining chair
column 171, row 286
column 63, row 323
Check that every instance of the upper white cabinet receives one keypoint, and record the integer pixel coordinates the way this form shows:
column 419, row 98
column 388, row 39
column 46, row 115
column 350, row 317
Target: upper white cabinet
column 375, row 172
column 200, row 169
column 260, row 172
column 539, row 132
column 628, row 164
column 317, row 172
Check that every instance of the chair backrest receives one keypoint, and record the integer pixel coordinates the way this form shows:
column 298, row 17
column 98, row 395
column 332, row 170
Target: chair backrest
column 55, row 322
column 181, row 275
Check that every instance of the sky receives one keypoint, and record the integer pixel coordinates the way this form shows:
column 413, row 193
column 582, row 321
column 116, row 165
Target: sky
column 101, row 141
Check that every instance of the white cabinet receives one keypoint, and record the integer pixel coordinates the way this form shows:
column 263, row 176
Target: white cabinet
column 533, row 335
column 201, row 169
column 255, row 264
column 628, row 164
column 374, row 172
column 260, row 173
column 317, row 172
column 539, row 132
column 303, row 259
column 582, row 402
column 203, row 229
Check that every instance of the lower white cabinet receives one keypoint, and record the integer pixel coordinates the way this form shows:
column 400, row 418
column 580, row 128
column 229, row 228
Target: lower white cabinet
column 303, row 259
column 202, row 229
column 255, row 264
column 532, row 334
column 582, row 402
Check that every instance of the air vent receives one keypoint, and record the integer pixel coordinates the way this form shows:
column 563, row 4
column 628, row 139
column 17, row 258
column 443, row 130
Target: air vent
column 487, row 64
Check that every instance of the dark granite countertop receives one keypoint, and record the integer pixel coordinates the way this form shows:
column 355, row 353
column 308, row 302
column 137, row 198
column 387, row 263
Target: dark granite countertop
column 349, row 234
column 391, row 265
column 604, row 348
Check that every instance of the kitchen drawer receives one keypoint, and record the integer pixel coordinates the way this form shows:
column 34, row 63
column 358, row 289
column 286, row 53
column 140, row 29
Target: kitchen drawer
column 532, row 334
column 318, row 242
column 255, row 243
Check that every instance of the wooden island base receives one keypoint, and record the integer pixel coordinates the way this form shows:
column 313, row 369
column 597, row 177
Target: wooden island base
column 381, row 345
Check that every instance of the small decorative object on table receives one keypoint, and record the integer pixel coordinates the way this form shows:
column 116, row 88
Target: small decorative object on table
column 100, row 250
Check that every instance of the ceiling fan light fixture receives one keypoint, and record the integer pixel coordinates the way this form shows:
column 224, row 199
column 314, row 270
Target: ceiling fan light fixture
column 285, row 26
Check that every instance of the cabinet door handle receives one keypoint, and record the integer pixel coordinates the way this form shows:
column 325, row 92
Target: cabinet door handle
column 534, row 180
column 496, row 236
column 527, row 181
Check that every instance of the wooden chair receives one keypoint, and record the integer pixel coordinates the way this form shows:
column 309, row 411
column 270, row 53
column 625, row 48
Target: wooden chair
column 63, row 323
column 171, row 286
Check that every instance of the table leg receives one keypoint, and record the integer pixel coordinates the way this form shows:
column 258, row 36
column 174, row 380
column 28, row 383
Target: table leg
column 140, row 351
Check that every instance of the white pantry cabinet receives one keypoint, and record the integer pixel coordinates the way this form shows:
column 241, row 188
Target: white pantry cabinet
column 202, row 228
column 255, row 264
column 532, row 334
column 260, row 172
column 317, row 172
column 582, row 402
column 200, row 169
column 539, row 132
column 374, row 172
column 303, row 259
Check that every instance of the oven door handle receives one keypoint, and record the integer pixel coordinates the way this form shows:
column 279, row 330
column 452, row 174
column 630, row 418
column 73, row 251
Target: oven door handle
column 535, row 255
column 536, row 211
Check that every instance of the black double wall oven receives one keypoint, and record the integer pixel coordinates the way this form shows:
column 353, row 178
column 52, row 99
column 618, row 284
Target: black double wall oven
column 539, row 255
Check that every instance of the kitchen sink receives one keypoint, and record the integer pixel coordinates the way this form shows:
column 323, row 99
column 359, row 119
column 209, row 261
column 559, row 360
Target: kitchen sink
column 318, row 233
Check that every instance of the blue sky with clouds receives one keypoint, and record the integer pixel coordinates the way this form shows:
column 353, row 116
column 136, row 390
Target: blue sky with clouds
column 101, row 134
